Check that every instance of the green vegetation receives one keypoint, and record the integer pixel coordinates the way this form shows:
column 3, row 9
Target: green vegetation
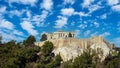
column 47, row 48
column 43, row 37
column 26, row 55
column 83, row 61
column 113, row 61
column 69, row 35
column 87, row 60
column 29, row 41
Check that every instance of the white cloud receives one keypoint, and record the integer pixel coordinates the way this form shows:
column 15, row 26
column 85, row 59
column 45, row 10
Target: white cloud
column 16, row 32
column 116, row 8
column 3, row 9
column 9, row 27
column 86, row 3
column 93, row 8
column 94, row 34
column 6, row 37
column 16, row 12
column 28, row 27
column 104, row 16
column 47, row 4
column 105, row 34
column 86, row 33
column 96, row 24
column 68, row 2
column 25, row 2
column 8, row 31
column 70, row 11
column 43, row 15
column 28, row 13
column 82, row 26
column 6, row 24
column 72, row 23
column 67, row 11
column 10, row 36
column 39, row 19
column 81, row 14
column 112, row 2
column 62, row 21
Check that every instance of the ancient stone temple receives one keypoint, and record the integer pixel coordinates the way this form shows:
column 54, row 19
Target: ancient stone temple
column 60, row 34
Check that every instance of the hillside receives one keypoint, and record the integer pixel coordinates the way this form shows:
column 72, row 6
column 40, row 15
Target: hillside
column 70, row 48
column 69, row 53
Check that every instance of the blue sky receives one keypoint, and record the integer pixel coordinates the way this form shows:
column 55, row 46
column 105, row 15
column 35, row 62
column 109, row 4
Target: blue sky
column 21, row 18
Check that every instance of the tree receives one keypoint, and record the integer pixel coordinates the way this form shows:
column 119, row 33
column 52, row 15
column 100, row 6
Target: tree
column 47, row 48
column 29, row 41
column 11, row 42
column 55, row 63
column 43, row 37
column 67, row 64
column 84, row 61
column 58, row 60
column 14, row 55
column 114, row 63
column 70, row 35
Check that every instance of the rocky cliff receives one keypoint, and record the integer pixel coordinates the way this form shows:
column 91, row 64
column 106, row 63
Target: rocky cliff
column 69, row 48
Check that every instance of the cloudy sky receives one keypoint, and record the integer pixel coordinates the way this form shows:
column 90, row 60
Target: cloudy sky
column 21, row 18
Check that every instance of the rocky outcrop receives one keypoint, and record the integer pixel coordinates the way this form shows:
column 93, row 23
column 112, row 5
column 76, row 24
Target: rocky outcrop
column 69, row 48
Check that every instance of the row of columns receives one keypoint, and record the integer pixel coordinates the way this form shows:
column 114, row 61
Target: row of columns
column 61, row 35
column 64, row 35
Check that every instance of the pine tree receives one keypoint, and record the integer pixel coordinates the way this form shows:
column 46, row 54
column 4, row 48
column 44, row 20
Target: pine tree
column 43, row 37
column 70, row 35
column 29, row 41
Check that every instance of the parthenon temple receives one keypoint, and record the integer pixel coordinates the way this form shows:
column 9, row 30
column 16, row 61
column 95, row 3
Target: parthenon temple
column 59, row 34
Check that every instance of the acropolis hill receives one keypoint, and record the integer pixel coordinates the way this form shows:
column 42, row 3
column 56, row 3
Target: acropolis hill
column 70, row 47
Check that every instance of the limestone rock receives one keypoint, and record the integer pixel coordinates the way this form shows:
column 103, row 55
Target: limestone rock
column 69, row 48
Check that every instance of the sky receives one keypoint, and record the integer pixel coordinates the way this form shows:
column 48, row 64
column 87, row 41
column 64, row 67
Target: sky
column 88, row 18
